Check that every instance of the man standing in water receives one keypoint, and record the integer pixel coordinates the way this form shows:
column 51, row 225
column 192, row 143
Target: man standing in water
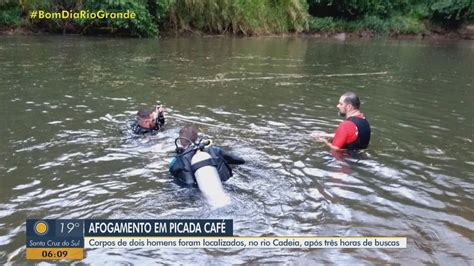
column 354, row 132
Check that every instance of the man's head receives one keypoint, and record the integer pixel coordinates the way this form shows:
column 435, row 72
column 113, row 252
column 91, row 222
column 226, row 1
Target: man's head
column 187, row 135
column 348, row 102
column 146, row 118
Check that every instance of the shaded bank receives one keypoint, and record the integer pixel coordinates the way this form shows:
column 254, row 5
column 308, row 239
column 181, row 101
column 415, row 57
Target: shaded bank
column 244, row 18
column 466, row 32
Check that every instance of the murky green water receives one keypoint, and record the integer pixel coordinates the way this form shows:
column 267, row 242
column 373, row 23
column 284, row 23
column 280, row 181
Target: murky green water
column 66, row 153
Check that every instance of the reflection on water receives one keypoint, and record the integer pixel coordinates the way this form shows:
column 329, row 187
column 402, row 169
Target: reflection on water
column 67, row 153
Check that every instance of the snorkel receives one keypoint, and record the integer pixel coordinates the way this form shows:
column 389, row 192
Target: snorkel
column 200, row 145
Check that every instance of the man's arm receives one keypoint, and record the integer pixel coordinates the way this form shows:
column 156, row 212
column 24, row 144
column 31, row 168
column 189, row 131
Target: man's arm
column 231, row 159
column 338, row 138
column 329, row 144
column 323, row 137
column 319, row 134
column 160, row 120
column 160, row 116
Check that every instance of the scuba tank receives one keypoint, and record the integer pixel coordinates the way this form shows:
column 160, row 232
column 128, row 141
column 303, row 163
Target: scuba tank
column 207, row 177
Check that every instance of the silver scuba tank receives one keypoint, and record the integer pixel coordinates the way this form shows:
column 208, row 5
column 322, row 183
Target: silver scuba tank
column 208, row 180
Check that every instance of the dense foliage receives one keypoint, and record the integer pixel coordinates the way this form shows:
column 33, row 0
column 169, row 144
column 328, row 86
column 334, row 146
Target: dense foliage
column 10, row 14
column 243, row 17
column 145, row 23
column 407, row 16
column 452, row 12
column 239, row 16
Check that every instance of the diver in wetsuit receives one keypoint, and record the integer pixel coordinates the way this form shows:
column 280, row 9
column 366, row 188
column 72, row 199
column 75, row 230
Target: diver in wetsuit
column 149, row 121
column 181, row 167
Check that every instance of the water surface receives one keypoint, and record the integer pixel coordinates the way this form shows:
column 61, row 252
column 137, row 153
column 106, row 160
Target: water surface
column 66, row 151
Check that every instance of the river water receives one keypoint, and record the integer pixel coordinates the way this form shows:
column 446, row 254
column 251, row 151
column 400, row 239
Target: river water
column 66, row 151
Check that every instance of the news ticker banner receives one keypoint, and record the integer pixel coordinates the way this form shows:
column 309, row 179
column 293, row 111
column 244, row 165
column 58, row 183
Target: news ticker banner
column 66, row 239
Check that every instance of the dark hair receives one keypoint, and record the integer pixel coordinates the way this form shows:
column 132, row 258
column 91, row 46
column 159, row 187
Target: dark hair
column 352, row 98
column 188, row 134
column 145, row 113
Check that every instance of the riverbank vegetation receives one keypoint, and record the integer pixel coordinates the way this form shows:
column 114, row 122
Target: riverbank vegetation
column 243, row 17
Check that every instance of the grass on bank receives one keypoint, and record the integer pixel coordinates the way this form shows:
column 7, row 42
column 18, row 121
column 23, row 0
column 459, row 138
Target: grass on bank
column 243, row 17
column 397, row 24
column 10, row 15
column 246, row 17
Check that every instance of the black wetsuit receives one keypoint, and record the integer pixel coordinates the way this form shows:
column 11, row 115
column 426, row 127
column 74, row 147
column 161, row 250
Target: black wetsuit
column 180, row 168
column 139, row 130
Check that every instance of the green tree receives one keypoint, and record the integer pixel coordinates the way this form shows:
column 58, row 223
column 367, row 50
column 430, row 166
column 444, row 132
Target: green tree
column 451, row 13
